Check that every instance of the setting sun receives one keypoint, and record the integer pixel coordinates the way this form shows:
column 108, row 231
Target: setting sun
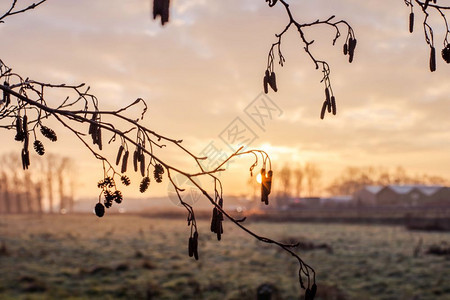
column 258, row 178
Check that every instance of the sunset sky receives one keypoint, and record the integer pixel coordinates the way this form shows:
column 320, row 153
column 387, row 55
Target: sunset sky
column 199, row 72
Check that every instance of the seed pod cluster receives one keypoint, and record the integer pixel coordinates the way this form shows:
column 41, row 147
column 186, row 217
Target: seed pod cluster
column 328, row 105
column 446, row 54
column 39, row 147
column 432, row 59
column 411, row 22
column 95, row 131
column 266, row 185
column 107, row 182
column 270, row 80
column 99, row 210
column 349, row 48
column 216, row 221
column 125, row 180
column 161, row 8
column 139, row 157
column 144, row 184
column 193, row 245
column 158, row 172
column 49, row 133
column 111, row 197
column 6, row 95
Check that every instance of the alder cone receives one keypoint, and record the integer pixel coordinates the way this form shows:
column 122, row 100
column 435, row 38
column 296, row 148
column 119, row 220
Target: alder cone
column 108, row 204
column 39, row 147
column 144, row 184
column 446, row 53
column 125, row 180
column 157, row 173
column 99, row 210
column 49, row 133
column 118, row 196
column 109, row 196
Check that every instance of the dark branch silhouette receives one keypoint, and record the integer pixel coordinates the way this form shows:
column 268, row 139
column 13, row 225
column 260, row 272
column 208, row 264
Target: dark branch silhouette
column 25, row 108
column 13, row 10
column 425, row 7
column 329, row 104
column 348, row 48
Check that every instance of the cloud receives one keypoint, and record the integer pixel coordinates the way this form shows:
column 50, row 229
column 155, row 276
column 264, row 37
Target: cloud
column 200, row 71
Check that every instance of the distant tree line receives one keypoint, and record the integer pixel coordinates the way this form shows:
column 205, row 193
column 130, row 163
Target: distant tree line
column 353, row 179
column 295, row 181
column 26, row 191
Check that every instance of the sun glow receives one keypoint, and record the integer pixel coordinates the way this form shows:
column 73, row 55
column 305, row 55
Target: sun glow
column 258, row 178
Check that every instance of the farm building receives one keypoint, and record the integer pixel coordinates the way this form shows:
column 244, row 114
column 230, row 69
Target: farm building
column 403, row 195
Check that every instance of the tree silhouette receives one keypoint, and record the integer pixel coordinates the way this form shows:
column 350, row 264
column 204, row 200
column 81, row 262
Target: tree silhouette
column 353, row 179
column 22, row 190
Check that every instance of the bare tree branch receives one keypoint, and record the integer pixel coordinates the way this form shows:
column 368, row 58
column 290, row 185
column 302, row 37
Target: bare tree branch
column 14, row 11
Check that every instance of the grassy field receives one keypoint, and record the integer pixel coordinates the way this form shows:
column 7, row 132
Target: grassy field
column 131, row 257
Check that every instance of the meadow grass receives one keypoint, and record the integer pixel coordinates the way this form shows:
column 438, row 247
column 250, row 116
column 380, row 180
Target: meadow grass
column 131, row 257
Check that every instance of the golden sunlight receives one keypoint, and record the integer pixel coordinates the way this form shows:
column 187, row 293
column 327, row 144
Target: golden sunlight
column 258, row 178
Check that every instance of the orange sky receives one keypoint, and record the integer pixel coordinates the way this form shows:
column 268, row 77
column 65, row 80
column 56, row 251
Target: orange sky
column 203, row 69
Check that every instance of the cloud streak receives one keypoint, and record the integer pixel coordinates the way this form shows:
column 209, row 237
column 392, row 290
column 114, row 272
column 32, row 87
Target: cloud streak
column 200, row 71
